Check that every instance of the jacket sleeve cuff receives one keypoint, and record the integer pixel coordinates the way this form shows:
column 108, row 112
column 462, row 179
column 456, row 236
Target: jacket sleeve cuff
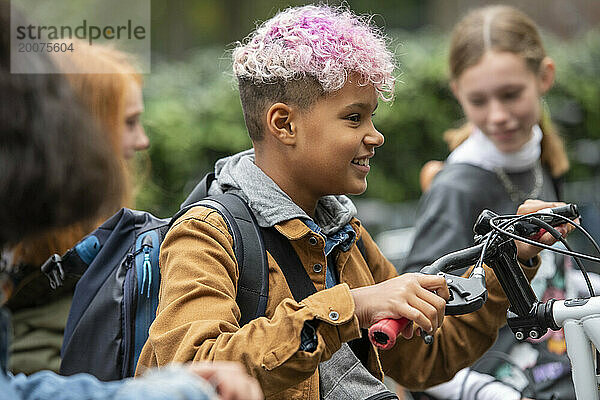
column 334, row 308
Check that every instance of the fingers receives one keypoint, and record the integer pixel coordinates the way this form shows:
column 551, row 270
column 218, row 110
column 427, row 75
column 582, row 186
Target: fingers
column 530, row 206
column 428, row 321
column 436, row 295
column 430, row 282
column 242, row 388
column 208, row 370
column 408, row 331
column 423, row 314
column 547, row 238
column 435, row 284
column 438, row 303
column 526, row 251
column 425, row 309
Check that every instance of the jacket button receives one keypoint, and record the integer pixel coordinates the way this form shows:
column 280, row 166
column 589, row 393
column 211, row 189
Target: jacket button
column 334, row 316
column 313, row 240
column 317, row 268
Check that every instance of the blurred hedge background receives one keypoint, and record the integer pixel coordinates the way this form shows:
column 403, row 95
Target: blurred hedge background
column 193, row 115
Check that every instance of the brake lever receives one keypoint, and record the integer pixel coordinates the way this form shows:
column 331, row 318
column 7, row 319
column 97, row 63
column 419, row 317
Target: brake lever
column 466, row 294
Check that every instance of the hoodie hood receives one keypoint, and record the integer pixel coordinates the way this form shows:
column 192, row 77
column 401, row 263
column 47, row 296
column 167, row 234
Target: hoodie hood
column 270, row 204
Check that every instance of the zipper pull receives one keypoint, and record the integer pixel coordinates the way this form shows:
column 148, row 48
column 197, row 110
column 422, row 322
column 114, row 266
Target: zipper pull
column 54, row 271
column 147, row 267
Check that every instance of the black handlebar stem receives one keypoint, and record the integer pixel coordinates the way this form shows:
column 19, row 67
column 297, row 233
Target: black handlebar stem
column 527, row 316
column 511, row 277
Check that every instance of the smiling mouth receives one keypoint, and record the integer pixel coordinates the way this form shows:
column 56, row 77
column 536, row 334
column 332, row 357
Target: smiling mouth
column 361, row 161
column 508, row 133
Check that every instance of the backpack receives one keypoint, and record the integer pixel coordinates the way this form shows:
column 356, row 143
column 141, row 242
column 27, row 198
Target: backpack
column 116, row 296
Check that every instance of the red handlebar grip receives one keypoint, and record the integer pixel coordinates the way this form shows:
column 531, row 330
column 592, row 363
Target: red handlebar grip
column 537, row 236
column 384, row 332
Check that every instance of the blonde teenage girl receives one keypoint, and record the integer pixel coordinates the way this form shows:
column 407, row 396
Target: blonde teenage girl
column 507, row 152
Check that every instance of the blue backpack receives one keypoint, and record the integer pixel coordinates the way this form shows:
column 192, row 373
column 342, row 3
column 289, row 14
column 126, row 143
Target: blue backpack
column 116, row 296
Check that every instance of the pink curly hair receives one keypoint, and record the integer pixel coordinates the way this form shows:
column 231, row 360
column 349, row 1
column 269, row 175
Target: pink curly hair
column 316, row 41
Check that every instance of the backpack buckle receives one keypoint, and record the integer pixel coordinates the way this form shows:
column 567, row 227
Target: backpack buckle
column 53, row 269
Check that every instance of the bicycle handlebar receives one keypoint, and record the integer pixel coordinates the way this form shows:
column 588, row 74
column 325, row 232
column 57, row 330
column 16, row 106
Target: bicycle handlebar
column 469, row 294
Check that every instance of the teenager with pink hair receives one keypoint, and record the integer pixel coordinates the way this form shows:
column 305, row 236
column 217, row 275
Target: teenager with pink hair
column 310, row 79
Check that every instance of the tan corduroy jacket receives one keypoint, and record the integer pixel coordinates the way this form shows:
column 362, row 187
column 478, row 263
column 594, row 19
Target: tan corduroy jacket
column 197, row 316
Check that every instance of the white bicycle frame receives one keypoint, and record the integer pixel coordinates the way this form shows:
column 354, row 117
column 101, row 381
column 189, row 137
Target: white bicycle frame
column 580, row 319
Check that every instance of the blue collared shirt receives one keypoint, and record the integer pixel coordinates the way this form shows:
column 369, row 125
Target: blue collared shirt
column 344, row 238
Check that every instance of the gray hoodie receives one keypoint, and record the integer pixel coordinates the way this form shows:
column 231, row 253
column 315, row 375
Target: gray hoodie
column 270, row 204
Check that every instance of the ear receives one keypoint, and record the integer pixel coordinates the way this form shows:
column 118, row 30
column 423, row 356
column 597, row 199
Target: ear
column 454, row 88
column 546, row 74
column 456, row 92
column 279, row 123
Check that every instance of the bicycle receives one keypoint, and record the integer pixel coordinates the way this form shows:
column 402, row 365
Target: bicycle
column 527, row 317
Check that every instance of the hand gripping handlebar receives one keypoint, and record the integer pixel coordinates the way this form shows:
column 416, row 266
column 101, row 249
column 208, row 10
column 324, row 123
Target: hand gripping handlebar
column 466, row 295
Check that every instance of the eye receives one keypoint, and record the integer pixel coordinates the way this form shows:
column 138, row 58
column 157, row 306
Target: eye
column 512, row 95
column 353, row 118
column 477, row 102
column 131, row 122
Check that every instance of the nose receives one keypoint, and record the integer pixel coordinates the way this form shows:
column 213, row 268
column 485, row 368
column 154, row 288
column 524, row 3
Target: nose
column 142, row 141
column 498, row 114
column 374, row 138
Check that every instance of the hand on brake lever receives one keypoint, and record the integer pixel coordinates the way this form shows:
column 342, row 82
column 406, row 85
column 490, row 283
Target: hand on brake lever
column 411, row 295
column 526, row 251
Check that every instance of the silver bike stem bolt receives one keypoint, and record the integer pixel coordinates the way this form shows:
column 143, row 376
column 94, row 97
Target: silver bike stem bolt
column 519, row 335
column 534, row 334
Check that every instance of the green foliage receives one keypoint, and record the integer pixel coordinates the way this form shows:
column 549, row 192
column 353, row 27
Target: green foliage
column 193, row 116
column 574, row 101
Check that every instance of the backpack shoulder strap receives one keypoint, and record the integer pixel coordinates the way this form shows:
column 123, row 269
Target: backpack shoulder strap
column 253, row 284
column 300, row 283
column 284, row 254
